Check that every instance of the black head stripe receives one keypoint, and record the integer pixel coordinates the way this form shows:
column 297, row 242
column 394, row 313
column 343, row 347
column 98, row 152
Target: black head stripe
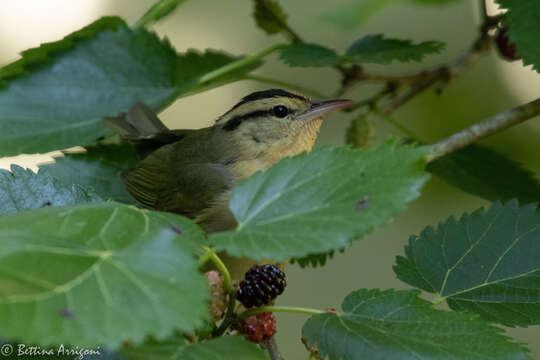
column 234, row 122
column 266, row 94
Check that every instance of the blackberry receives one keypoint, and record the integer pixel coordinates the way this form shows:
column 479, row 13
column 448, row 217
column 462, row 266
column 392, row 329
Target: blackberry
column 261, row 285
column 258, row 328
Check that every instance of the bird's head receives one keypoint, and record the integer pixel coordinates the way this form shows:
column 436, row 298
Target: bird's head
column 276, row 123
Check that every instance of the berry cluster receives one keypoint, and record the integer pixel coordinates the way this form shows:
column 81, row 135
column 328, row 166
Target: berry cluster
column 261, row 285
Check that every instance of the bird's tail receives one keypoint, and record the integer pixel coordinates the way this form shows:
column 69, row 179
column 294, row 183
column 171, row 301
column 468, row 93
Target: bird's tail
column 138, row 124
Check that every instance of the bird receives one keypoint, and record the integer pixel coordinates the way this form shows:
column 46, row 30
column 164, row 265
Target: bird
column 192, row 172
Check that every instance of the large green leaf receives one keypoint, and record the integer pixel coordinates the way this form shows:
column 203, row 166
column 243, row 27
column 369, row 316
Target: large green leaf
column 522, row 19
column 391, row 324
column 488, row 174
column 22, row 189
column 98, row 168
column 226, row 347
column 487, row 262
column 98, row 273
column 59, row 103
column 316, row 202
column 303, row 54
column 379, row 50
column 34, row 57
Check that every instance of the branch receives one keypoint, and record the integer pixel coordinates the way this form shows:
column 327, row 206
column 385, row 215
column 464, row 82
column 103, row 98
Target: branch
column 272, row 348
column 419, row 82
column 485, row 128
column 287, row 309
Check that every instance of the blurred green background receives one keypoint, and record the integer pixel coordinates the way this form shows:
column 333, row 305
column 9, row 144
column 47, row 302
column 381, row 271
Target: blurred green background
column 488, row 87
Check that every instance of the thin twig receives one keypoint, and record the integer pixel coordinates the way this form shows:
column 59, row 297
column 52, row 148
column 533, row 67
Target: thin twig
column 485, row 128
column 210, row 255
column 229, row 319
column 272, row 348
column 423, row 80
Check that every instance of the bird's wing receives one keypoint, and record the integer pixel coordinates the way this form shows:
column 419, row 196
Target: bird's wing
column 180, row 178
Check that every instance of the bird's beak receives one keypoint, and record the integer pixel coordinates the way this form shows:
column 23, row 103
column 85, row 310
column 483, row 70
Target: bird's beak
column 320, row 108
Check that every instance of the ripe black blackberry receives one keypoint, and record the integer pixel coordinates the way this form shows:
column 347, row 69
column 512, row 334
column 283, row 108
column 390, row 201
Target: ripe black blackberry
column 261, row 285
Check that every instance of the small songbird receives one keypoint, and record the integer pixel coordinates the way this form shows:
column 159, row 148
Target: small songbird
column 193, row 172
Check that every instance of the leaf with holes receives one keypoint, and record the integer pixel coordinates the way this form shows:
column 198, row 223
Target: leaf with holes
column 487, row 262
column 486, row 173
column 22, row 189
column 379, row 50
column 98, row 273
column 317, row 202
column 307, row 55
column 522, row 20
column 59, row 97
column 390, row 324
column 98, row 168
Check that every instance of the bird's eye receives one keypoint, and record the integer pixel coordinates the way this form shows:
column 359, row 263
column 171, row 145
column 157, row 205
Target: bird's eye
column 280, row 111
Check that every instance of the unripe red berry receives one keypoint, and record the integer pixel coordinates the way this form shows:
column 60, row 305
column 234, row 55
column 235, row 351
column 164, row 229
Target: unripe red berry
column 258, row 328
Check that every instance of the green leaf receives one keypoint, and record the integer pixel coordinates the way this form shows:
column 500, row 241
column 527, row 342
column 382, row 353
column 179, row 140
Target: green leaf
column 487, row 262
column 379, row 50
column 392, row 324
column 314, row 260
column 488, row 174
column 317, row 202
column 98, row 168
column 32, row 58
column 99, row 273
column 226, row 347
column 354, row 13
column 23, row 189
column 269, row 16
column 522, row 19
column 158, row 11
column 313, row 55
column 60, row 103
column 360, row 132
